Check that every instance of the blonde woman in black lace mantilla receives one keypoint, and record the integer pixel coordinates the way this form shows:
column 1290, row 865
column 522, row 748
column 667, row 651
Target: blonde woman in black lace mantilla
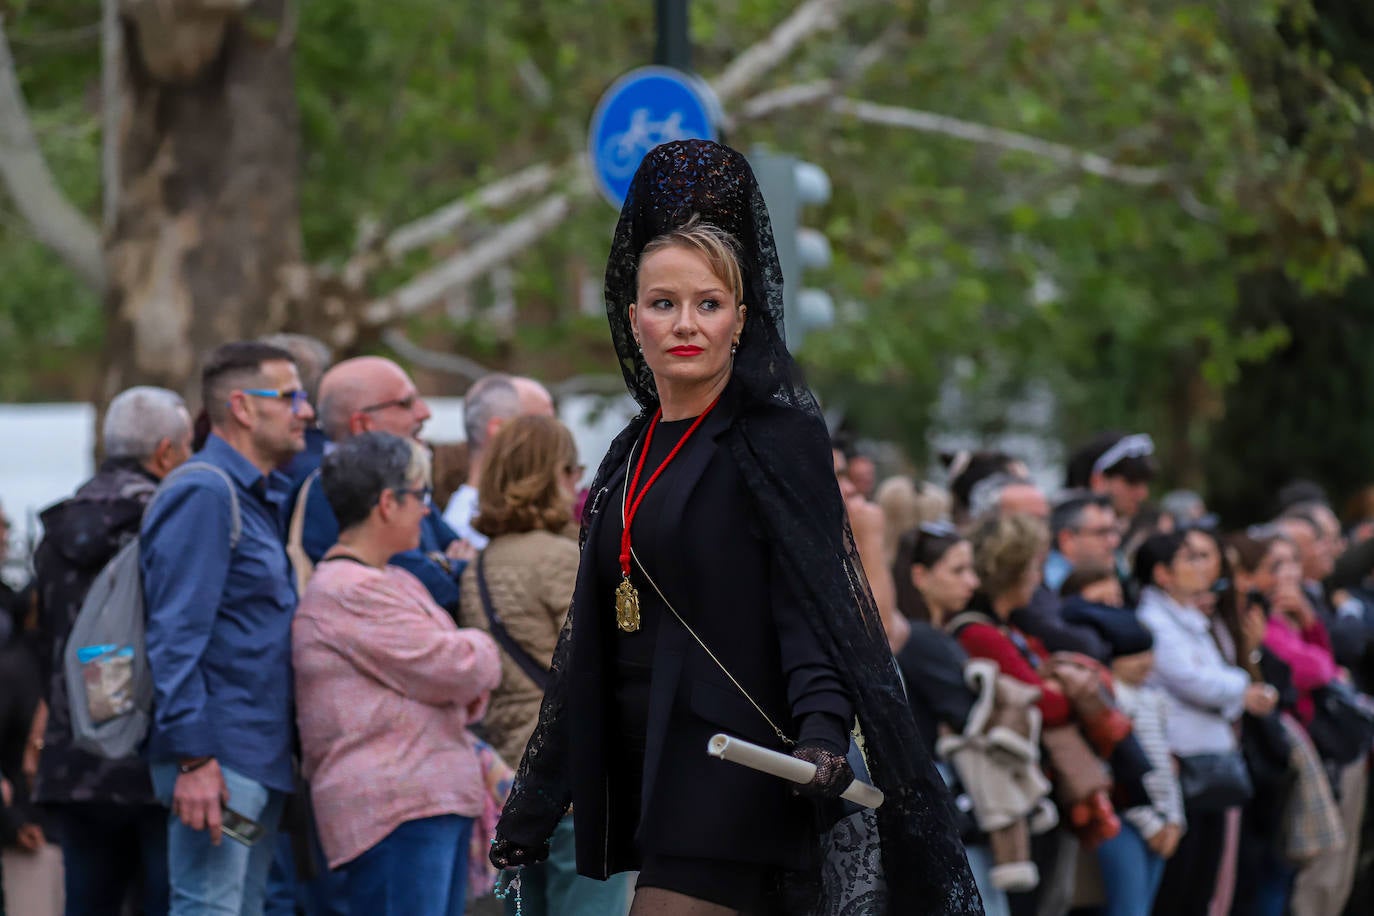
column 719, row 591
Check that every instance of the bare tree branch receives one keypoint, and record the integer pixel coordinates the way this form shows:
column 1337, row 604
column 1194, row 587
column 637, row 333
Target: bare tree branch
column 447, row 219
column 434, row 360
column 470, row 369
column 58, row 38
column 808, row 19
column 497, row 248
column 823, row 92
column 31, row 185
column 767, row 103
column 928, row 122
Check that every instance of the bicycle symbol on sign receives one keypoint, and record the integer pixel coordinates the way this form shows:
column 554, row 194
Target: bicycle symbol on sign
column 622, row 152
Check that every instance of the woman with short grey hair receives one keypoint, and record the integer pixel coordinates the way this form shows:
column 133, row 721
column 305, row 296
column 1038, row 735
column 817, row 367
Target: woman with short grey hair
column 386, row 686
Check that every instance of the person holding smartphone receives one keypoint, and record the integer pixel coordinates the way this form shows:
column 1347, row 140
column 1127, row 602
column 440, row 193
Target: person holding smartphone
column 219, row 596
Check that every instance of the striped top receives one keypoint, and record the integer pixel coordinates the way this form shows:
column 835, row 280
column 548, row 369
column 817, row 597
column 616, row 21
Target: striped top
column 1148, row 709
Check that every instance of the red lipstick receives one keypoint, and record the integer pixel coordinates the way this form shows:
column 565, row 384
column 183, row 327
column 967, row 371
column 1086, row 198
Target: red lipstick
column 685, row 350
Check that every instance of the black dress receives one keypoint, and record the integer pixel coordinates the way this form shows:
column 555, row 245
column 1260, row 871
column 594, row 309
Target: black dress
column 733, row 884
column 745, row 886
column 631, row 659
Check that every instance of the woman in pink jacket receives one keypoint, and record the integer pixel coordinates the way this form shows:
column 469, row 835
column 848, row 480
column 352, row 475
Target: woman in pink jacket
column 1269, row 567
column 386, row 685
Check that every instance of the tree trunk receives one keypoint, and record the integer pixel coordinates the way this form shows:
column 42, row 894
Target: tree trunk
column 208, row 213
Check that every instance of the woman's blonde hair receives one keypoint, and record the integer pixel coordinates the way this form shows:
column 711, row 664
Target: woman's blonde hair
column 1004, row 548
column 717, row 246
column 421, row 467
column 520, row 488
column 908, row 504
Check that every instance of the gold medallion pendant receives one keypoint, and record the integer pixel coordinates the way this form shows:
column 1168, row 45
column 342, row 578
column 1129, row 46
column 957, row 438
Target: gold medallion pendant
column 627, row 606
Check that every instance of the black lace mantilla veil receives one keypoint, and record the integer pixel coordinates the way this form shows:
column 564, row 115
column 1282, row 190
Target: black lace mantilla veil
column 783, row 451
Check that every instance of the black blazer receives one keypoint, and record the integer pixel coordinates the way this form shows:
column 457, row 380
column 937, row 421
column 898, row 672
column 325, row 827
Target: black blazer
column 722, row 580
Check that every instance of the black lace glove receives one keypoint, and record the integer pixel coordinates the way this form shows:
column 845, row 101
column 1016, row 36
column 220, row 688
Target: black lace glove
column 505, row 854
column 833, row 774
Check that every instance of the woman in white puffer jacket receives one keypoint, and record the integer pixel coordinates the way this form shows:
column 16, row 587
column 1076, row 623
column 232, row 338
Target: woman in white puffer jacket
column 1207, row 696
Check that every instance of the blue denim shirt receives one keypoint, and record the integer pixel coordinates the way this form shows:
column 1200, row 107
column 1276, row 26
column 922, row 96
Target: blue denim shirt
column 219, row 622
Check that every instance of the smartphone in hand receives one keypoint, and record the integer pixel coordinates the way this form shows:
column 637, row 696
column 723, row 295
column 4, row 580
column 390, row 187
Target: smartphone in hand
column 237, row 827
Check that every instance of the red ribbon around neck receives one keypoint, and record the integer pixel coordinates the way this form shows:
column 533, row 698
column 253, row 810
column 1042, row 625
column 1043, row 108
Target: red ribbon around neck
column 633, row 499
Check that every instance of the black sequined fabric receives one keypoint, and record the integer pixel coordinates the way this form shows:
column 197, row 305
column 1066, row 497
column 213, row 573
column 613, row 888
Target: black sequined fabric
column 782, row 447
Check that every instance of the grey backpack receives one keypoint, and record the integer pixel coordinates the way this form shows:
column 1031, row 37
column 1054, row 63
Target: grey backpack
column 105, row 664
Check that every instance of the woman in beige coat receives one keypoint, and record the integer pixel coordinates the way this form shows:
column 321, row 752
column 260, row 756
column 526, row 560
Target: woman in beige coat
column 526, row 492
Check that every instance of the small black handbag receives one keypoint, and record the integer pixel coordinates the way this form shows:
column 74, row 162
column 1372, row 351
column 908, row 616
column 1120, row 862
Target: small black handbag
column 1342, row 725
column 1214, row 782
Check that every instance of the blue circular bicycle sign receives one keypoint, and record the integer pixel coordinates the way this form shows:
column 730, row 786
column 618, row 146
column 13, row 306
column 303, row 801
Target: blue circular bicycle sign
column 642, row 109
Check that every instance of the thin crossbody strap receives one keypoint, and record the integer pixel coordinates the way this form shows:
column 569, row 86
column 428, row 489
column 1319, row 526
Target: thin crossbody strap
column 782, row 736
column 533, row 670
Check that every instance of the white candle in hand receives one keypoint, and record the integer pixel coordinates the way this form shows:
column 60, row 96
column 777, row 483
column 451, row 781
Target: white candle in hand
column 737, row 750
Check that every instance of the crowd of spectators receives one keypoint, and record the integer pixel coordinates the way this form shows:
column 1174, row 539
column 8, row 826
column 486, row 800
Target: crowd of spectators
column 1136, row 711
column 1197, row 696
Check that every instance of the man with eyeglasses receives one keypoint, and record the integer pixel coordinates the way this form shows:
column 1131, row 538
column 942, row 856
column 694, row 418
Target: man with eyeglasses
column 371, row 393
column 313, row 356
column 492, row 401
column 1083, row 532
column 219, row 613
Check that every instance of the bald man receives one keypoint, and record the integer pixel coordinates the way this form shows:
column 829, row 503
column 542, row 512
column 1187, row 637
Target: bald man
column 372, row 393
column 490, row 402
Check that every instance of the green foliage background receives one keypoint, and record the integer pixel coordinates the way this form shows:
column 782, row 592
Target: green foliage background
column 1158, row 307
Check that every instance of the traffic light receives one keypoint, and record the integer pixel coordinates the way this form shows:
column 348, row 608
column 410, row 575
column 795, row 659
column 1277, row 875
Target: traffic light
column 788, row 185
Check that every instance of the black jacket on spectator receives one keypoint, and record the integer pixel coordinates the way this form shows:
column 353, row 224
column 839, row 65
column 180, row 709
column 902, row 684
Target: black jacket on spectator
column 932, row 665
column 9, row 612
column 80, row 535
column 21, row 687
column 1353, row 573
column 1119, row 628
column 1043, row 618
column 1351, row 634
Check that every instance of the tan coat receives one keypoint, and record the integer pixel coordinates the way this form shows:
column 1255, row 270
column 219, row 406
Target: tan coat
column 531, row 578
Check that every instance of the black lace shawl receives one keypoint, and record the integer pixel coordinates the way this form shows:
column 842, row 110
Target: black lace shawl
column 783, row 451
